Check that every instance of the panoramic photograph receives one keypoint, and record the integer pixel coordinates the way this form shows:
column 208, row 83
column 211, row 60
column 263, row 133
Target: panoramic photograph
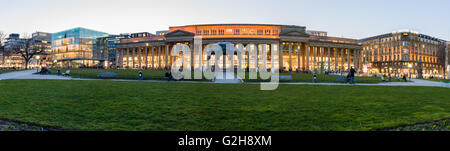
column 210, row 74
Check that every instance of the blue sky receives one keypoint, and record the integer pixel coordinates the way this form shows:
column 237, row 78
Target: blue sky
column 348, row 18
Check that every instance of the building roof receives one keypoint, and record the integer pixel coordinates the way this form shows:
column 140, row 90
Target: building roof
column 237, row 24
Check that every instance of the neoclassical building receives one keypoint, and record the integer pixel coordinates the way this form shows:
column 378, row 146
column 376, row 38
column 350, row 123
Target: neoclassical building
column 297, row 50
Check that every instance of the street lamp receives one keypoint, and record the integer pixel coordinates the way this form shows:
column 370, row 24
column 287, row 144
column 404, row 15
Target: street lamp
column 38, row 61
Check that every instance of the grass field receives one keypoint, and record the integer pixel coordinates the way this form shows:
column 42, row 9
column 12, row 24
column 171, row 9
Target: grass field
column 107, row 105
column 438, row 80
column 159, row 75
column 6, row 71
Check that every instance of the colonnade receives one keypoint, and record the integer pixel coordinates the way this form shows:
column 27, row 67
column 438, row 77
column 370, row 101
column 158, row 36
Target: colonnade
column 293, row 56
column 301, row 56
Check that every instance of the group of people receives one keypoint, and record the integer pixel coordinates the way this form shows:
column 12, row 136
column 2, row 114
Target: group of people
column 389, row 77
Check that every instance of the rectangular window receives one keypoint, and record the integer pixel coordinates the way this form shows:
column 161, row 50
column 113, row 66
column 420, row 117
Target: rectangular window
column 213, row 32
column 274, row 32
column 221, row 31
column 199, row 32
column 206, row 32
column 260, row 32
column 237, row 32
column 267, row 32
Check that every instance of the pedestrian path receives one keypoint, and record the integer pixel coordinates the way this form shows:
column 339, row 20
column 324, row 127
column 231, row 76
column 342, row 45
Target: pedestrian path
column 28, row 74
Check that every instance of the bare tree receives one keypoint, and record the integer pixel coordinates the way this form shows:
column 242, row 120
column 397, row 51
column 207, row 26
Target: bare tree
column 28, row 49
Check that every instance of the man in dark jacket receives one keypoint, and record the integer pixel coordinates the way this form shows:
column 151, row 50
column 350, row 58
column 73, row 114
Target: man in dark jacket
column 352, row 75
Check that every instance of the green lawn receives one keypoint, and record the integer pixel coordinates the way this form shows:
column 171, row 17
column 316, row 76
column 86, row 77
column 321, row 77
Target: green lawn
column 8, row 70
column 438, row 80
column 159, row 75
column 108, row 105
column 122, row 73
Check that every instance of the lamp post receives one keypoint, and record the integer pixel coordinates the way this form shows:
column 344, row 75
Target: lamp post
column 38, row 61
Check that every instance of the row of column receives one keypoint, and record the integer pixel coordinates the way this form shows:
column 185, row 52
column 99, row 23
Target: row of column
column 155, row 57
column 309, row 58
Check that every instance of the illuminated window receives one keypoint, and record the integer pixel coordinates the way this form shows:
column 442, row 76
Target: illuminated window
column 260, row 32
column 205, row 32
column 275, row 32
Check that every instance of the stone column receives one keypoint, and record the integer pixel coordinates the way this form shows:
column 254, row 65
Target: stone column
column 299, row 67
column 139, row 57
column 159, row 57
column 342, row 59
column 307, row 57
column 132, row 59
column 146, row 57
column 349, row 59
column 328, row 59
column 153, row 57
column 128, row 57
column 355, row 62
column 322, row 51
column 335, row 59
column 315, row 56
column 290, row 56
column 167, row 57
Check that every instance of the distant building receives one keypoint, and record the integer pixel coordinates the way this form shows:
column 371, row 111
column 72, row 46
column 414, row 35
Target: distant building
column 142, row 34
column 10, row 59
column 404, row 53
column 162, row 32
column 76, row 48
column 317, row 33
column 13, row 36
column 107, row 46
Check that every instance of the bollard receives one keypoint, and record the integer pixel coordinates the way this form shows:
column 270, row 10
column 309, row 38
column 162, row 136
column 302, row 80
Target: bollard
column 140, row 75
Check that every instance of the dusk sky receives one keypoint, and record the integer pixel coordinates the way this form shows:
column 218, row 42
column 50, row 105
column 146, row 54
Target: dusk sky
column 348, row 18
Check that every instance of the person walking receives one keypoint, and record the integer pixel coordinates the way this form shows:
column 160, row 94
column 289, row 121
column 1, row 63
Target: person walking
column 352, row 75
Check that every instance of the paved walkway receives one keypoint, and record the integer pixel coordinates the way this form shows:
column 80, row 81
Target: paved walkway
column 28, row 74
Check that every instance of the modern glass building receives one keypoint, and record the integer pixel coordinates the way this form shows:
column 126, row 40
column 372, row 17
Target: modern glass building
column 76, row 48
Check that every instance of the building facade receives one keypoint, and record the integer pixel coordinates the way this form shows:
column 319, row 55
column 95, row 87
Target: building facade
column 76, row 48
column 404, row 53
column 447, row 60
column 107, row 46
column 294, row 48
column 10, row 59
